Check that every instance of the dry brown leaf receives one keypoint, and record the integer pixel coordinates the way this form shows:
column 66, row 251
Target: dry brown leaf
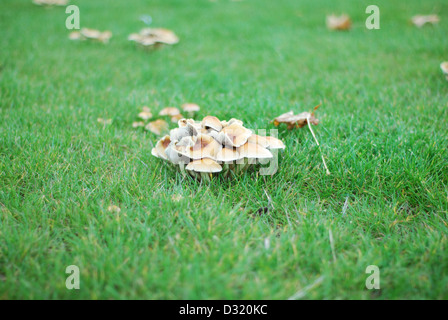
column 297, row 121
column 342, row 22
column 421, row 20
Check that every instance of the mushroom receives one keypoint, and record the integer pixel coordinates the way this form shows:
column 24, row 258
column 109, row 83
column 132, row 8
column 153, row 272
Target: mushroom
column 234, row 135
column 75, row 35
column 341, row 22
column 227, row 157
column 421, row 20
column 190, row 108
column 211, row 122
column 161, row 145
column 262, row 141
column 137, row 124
column 274, row 143
column 157, row 127
column 444, row 67
column 176, row 118
column 149, row 37
column 204, row 168
column 204, row 147
column 252, row 153
column 91, row 34
column 145, row 114
column 169, row 111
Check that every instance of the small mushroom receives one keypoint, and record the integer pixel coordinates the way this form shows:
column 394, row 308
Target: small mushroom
column 341, row 22
column 211, row 122
column 190, row 108
column 137, row 124
column 145, row 114
column 444, row 67
column 262, row 141
column 176, row 118
column 234, row 135
column 75, row 35
column 161, row 145
column 204, row 168
column 157, row 127
column 204, row 147
column 420, row 20
column 227, row 157
column 169, row 111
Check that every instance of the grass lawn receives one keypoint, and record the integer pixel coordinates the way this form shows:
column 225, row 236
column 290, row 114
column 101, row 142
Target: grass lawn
column 383, row 133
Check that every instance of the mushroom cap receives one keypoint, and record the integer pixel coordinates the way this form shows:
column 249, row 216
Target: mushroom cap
column 444, row 67
column 161, row 145
column 145, row 114
column 75, row 35
column 235, row 135
column 227, row 155
column 176, row 118
column 190, row 107
column 169, row 111
column 421, row 20
column 105, row 36
column 260, row 140
column 274, row 143
column 90, row 33
column 204, row 165
column 341, row 22
column 212, row 122
column 157, row 127
column 204, row 147
column 254, row 151
column 160, row 35
column 178, row 133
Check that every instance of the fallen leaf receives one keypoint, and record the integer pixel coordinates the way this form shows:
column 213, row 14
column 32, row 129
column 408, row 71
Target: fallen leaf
column 341, row 22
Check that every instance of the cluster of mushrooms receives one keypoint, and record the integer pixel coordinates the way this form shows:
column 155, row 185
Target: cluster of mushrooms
column 209, row 147
column 91, row 34
column 154, row 37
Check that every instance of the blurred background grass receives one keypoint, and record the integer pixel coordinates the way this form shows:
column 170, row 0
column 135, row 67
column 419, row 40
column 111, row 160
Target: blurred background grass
column 383, row 133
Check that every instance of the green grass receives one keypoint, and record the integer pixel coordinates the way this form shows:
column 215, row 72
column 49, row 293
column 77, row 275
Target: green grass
column 383, row 133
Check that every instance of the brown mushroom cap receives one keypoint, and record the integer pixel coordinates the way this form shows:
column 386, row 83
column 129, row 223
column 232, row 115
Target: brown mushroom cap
column 212, row 122
column 204, row 147
column 190, row 107
column 157, row 127
column 169, row 111
column 254, row 151
column 204, row 165
column 161, row 145
column 341, row 22
column 75, row 35
column 176, row 118
column 160, row 35
column 235, row 135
